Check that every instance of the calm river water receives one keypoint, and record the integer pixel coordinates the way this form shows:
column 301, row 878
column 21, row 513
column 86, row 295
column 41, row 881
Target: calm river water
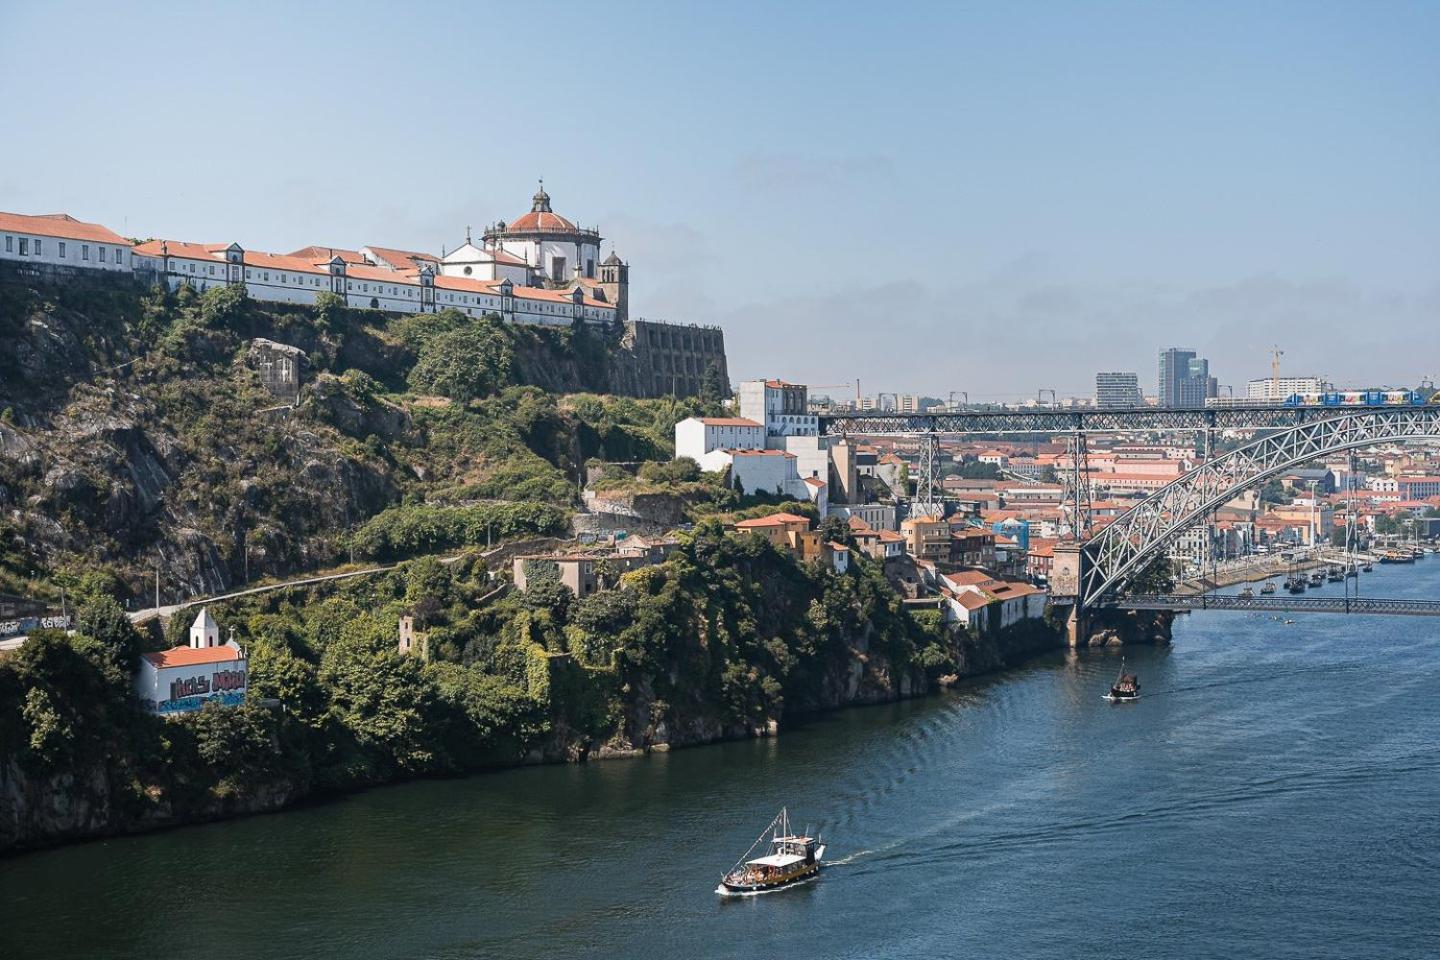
column 1275, row 794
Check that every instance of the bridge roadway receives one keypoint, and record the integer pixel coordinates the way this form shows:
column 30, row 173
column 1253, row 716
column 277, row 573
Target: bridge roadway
column 1148, row 419
column 1178, row 602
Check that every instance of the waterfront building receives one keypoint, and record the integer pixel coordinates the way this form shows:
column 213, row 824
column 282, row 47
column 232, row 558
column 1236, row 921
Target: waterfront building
column 184, row 679
column 1116, row 389
column 1185, row 379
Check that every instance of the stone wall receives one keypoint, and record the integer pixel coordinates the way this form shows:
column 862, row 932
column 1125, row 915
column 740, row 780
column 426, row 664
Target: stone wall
column 279, row 365
column 659, row 359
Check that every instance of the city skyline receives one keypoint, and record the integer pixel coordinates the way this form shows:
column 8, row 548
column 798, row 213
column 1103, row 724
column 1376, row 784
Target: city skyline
column 1312, row 225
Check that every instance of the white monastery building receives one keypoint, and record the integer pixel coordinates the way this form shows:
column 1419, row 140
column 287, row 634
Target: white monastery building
column 539, row 269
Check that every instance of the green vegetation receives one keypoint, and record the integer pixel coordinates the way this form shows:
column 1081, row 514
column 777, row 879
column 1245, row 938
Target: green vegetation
column 726, row 636
column 151, row 427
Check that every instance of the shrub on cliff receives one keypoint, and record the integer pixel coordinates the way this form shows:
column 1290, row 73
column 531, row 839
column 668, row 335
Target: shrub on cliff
column 411, row 529
column 464, row 363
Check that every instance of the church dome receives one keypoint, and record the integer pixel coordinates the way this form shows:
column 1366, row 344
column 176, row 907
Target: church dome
column 541, row 219
column 612, row 260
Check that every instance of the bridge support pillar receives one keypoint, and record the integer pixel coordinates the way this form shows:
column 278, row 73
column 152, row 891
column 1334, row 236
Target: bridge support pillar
column 1077, row 632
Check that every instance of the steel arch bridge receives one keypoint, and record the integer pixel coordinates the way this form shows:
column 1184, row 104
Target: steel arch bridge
column 1119, row 552
column 1111, row 560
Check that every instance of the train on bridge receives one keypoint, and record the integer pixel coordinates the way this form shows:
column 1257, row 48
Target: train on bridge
column 1361, row 398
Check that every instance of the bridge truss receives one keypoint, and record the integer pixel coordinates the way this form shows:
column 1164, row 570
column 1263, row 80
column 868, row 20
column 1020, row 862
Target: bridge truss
column 1121, row 420
column 1205, row 601
column 1111, row 559
column 1119, row 552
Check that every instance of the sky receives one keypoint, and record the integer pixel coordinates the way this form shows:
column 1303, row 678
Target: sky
column 994, row 198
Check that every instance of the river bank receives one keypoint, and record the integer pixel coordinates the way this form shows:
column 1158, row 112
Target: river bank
column 90, row 803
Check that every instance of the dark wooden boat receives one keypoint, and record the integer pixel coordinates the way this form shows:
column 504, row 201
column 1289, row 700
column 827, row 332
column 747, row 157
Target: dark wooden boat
column 793, row 858
column 1125, row 688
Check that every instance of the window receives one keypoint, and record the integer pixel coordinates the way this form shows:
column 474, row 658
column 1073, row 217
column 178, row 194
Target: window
column 100, row 253
column 247, row 273
column 9, row 244
column 24, row 246
column 37, row 246
column 62, row 249
column 84, row 251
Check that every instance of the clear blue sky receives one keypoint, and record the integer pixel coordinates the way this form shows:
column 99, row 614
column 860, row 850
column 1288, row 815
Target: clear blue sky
column 992, row 197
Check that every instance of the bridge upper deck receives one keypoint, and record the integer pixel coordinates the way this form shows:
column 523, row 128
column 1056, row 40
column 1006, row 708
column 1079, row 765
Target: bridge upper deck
column 1145, row 419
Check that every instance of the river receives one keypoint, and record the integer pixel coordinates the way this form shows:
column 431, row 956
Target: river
column 1275, row 794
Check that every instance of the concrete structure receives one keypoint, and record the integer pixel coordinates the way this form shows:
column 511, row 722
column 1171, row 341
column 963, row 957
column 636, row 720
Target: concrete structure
column 1117, row 389
column 673, row 359
column 700, row 437
column 927, row 538
column 580, row 573
column 279, row 366
column 1270, row 388
column 781, row 407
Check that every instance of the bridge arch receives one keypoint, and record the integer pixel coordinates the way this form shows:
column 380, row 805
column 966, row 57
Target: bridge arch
column 1120, row 551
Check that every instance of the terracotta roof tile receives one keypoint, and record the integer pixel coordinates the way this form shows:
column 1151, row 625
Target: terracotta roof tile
column 193, row 656
column 60, row 225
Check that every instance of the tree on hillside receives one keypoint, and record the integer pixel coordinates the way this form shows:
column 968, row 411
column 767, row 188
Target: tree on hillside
column 713, row 387
column 102, row 618
column 975, row 470
column 224, row 306
column 465, row 363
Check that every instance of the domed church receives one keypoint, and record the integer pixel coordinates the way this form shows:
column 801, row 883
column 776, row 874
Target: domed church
column 543, row 249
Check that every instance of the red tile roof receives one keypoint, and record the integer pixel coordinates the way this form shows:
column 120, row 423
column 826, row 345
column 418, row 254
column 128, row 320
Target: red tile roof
column 727, row 422
column 541, row 221
column 402, row 259
column 60, row 225
column 318, row 253
column 972, row 601
column 192, row 656
column 773, row 520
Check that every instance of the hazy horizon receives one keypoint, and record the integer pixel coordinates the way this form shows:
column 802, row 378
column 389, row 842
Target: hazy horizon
column 989, row 198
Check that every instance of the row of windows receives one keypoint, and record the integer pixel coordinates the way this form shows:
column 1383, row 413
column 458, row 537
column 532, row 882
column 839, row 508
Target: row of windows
column 35, row 247
column 407, row 292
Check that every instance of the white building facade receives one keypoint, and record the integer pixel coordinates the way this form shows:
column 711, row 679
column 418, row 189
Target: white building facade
column 62, row 241
column 186, row 678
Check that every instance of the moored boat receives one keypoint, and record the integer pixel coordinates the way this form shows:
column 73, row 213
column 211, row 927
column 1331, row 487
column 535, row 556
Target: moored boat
column 1268, row 588
column 1247, row 593
column 793, row 858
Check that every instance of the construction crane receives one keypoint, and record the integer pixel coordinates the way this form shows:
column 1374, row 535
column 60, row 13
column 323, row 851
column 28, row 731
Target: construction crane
column 833, row 386
column 1275, row 354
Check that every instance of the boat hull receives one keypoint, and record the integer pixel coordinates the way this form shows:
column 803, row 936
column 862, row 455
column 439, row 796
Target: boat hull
column 729, row 889
column 1122, row 697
